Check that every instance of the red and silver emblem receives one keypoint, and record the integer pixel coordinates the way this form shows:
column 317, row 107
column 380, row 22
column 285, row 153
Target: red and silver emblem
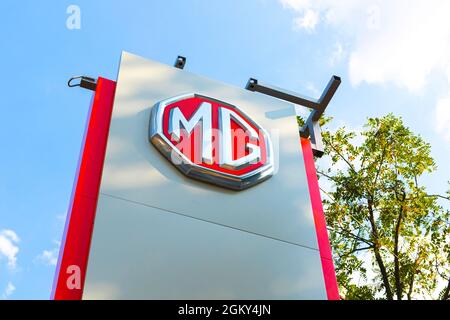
column 212, row 141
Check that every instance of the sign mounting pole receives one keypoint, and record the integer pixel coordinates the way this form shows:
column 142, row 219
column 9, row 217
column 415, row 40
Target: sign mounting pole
column 311, row 128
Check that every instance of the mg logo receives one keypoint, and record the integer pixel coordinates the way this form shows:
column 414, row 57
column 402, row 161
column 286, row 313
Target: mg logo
column 212, row 141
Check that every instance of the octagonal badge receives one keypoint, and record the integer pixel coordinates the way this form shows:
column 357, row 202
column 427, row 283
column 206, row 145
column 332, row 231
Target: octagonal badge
column 212, row 141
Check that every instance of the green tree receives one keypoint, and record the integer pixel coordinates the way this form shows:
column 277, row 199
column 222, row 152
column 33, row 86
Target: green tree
column 390, row 238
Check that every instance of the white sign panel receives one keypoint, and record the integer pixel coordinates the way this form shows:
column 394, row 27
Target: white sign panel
column 232, row 220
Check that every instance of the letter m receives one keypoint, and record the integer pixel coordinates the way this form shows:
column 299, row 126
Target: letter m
column 202, row 116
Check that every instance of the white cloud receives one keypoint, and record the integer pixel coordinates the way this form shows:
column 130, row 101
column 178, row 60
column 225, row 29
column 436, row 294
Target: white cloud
column 337, row 54
column 297, row 5
column 395, row 42
column 307, row 21
column 443, row 117
column 10, row 288
column 10, row 234
column 312, row 89
column 49, row 257
column 8, row 247
column 443, row 112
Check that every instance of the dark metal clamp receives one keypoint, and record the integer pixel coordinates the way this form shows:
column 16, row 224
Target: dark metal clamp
column 85, row 82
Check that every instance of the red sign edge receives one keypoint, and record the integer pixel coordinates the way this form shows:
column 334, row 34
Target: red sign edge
column 76, row 240
column 326, row 256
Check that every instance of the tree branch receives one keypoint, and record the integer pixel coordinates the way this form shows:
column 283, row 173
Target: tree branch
column 325, row 175
column 351, row 235
column 413, row 273
column 446, row 295
column 437, row 196
column 340, row 155
column 355, row 250
column 381, row 163
column 376, row 250
column 326, row 193
column 411, row 285
column 398, row 284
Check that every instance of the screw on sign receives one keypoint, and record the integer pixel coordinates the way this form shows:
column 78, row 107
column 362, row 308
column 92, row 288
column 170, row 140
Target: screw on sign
column 212, row 141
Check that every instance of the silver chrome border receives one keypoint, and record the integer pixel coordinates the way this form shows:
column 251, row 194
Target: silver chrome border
column 192, row 170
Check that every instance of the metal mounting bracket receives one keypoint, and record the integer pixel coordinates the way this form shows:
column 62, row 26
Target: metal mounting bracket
column 85, row 82
column 311, row 128
column 180, row 62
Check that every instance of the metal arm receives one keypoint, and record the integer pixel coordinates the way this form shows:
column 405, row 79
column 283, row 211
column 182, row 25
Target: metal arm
column 286, row 95
column 311, row 127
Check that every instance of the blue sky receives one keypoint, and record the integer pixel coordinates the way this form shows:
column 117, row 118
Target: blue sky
column 391, row 57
